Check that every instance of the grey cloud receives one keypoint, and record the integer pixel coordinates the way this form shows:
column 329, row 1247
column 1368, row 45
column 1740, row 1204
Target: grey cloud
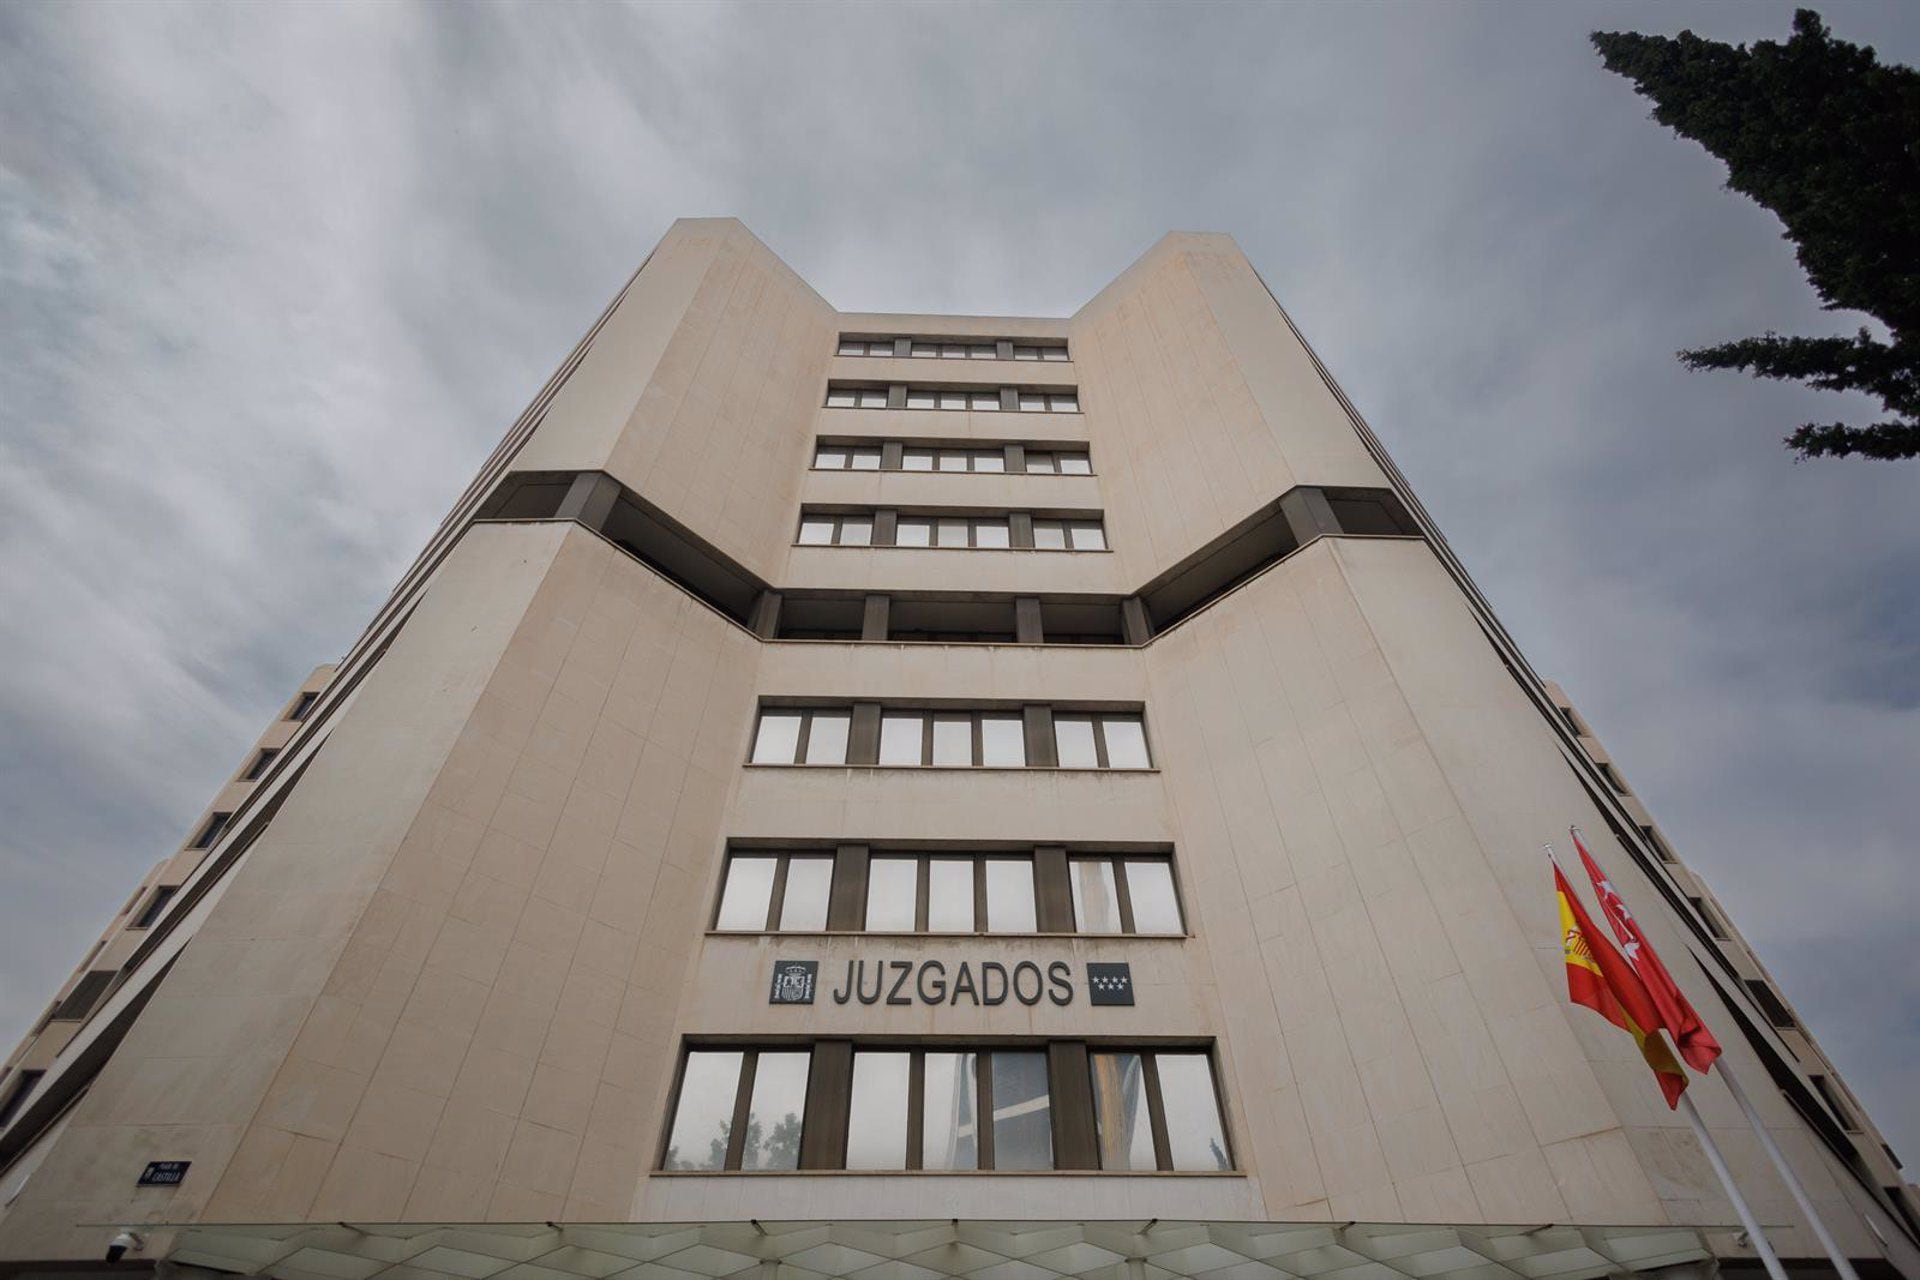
column 240, row 244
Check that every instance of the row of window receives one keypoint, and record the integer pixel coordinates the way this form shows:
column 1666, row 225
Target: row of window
column 952, row 739
column 980, row 533
column 987, row 401
column 950, row 892
column 949, row 350
column 922, row 1108
column 852, row 457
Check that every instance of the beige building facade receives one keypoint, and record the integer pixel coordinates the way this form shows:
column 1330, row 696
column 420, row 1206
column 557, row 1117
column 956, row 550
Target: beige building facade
column 897, row 797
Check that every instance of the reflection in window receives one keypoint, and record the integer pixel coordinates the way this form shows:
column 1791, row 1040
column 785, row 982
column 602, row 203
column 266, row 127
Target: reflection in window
column 1096, row 902
column 950, row 895
column 877, row 1111
column 801, row 736
column 1195, row 1136
column 773, row 1115
column 1085, row 741
column 1022, row 1121
column 948, row 1134
column 748, row 891
column 704, row 1118
column 1124, row 1124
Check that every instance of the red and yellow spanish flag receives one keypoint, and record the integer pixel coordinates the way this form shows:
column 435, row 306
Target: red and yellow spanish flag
column 1599, row 977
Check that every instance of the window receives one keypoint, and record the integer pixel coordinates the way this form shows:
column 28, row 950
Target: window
column 865, row 347
column 739, row 1110
column 953, row 739
column 1100, row 742
column 802, row 737
column 917, row 458
column 775, row 892
column 1049, row 401
column 1040, row 353
column 877, row 1111
column 22, row 1086
column 976, row 399
column 1058, row 462
column 1829, row 1092
column 1714, row 928
column 216, row 823
column 856, row 397
column 836, row 531
column 1069, row 535
column 1770, row 1004
column 302, row 705
column 155, row 905
column 260, row 763
column 963, row 348
column 977, row 532
column 1157, row 1111
column 847, row 457
column 1125, row 895
column 85, row 994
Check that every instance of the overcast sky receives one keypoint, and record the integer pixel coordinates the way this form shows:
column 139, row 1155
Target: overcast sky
column 274, row 279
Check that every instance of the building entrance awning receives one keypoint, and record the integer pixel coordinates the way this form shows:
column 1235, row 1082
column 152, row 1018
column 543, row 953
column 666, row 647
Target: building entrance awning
column 931, row 1250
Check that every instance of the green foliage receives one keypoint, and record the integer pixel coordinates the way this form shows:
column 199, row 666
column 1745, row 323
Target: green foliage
column 1818, row 131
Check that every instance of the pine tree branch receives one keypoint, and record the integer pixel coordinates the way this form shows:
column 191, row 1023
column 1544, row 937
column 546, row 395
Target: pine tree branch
column 1859, row 363
column 1887, row 441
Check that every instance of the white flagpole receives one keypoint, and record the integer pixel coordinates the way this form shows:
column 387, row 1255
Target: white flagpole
column 1834, row 1254
column 1754, row 1234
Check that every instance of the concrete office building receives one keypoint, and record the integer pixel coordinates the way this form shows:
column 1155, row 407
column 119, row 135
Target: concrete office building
column 901, row 797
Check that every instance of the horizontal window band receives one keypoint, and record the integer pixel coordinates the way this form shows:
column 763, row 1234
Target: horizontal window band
column 1271, row 534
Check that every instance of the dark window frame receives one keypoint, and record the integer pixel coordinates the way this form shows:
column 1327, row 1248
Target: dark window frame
column 262, row 758
column 156, row 903
column 216, row 825
column 303, row 704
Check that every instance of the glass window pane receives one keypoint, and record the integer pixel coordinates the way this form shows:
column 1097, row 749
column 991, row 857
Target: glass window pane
column 827, row 740
column 851, row 347
column 877, row 1111
column 913, row 531
column 985, row 401
column 1088, row 535
column 873, row 398
column 1026, row 353
column 708, row 1088
column 953, row 740
column 922, row 399
column 953, row 459
column 1156, row 908
column 948, row 1138
column 1064, row 403
column 950, row 897
column 816, row 532
column 1073, row 742
column 982, row 351
column 1053, row 353
column 926, row 349
column 856, row 531
column 1010, row 896
column 1096, row 903
column 1075, row 464
column 743, row 903
column 809, row 883
column 1032, row 402
column 1195, row 1136
column 1041, row 463
column 1003, row 741
column 991, row 533
column 989, row 460
column 773, row 1116
column 865, row 459
column 953, row 533
column 900, row 738
column 1126, row 742
column 917, row 460
column 842, row 398
column 953, row 351
column 953, row 399
column 778, row 739
column 1120, row 1111
column 831, row 456
column 893, row 885
column 1022, row 1125
column 1049, row 535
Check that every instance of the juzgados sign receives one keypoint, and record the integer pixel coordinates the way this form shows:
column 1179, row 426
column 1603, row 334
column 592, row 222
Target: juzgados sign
column 935, row 982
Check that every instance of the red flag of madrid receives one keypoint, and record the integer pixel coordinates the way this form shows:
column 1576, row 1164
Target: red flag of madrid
column 1690, row 1035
